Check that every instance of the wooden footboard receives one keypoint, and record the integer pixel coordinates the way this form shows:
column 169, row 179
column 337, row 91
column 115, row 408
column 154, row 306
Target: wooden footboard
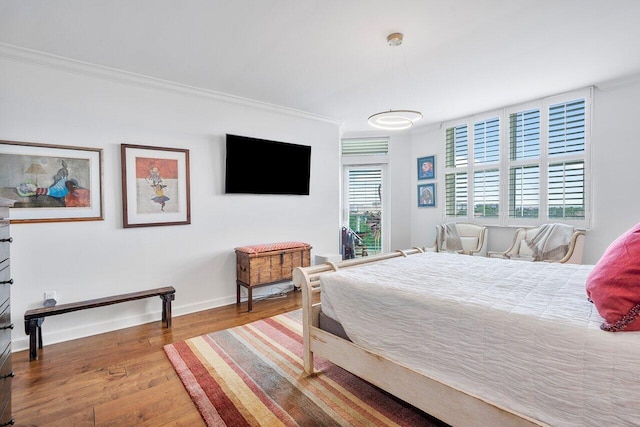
column 440, row 400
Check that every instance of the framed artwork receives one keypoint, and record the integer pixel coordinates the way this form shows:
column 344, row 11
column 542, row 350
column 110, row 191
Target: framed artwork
column 427, row 167
column 427, row 195
column 51, row 183
column 155, row 186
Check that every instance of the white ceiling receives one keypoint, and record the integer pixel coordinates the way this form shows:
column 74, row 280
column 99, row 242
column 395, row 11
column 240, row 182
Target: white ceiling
column 330, row 57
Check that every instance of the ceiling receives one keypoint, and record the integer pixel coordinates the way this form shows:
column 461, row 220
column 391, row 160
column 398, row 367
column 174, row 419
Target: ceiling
column 331, row 58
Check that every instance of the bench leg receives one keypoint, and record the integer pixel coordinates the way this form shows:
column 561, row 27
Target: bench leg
column 166, row 309
column 250, row 300
column 32, row 328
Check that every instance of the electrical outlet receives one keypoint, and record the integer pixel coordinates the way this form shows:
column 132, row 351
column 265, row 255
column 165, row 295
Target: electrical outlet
column 49, row 295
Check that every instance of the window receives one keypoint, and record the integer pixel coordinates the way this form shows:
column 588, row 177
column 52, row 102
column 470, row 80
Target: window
column 364, row 193
column 528, row 164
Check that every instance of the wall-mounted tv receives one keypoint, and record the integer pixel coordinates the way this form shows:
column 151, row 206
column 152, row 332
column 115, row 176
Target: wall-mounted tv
column 260, row 166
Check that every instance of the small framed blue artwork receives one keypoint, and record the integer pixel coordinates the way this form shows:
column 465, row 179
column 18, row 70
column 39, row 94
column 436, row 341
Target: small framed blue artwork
column 427, row 195
column 427, row 167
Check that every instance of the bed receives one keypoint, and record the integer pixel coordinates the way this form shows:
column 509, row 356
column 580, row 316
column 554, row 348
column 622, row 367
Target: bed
column 473, row 340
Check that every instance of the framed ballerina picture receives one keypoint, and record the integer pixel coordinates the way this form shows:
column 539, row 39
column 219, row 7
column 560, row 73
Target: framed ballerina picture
column 155, row 186
column 51, row 182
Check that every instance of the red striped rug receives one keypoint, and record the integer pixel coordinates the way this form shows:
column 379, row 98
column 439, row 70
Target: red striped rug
column 252, row 375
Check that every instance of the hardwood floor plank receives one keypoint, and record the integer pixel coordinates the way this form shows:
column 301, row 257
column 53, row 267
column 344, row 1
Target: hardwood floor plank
column 142, row 406
column 122, row 377
column 77, row 419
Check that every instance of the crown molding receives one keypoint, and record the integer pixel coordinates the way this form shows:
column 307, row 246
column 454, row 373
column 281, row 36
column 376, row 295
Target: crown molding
column 47, row 60
column 622, row 81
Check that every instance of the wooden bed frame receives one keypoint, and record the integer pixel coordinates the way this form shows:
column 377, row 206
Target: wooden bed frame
column 451, row 405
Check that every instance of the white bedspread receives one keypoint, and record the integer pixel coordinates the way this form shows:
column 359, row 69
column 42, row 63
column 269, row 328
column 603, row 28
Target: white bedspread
column 521, row 335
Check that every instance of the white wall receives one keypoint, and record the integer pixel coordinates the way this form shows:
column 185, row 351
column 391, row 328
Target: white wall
column 615, row 172
column 614, row 180
column 53, row 101
column 401, row 190
column 426, row 141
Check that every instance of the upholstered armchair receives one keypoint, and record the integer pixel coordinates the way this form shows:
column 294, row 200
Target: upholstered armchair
column 520, row 247
column 461, row 237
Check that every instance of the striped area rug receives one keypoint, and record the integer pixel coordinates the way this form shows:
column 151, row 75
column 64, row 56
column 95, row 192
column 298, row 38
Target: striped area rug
column 252, row 375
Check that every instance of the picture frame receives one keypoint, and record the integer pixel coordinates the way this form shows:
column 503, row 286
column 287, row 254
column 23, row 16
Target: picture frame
column 427, row 167
column 50, row 182
column 155, row 186
column 427, row 195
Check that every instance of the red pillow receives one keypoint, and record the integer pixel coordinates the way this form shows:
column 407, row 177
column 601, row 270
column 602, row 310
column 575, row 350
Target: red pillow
column 614, row 283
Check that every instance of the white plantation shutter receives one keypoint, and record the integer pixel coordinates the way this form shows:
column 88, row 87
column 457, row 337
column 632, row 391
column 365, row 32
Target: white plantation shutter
column 456, row 183
column 486, row 141
column 457, row 151
column 486, row 193
column 524, row 192
column 567, row 128
column 456, row 194
column 566, row 180
column 566, row 190
column 524, row 180
column 529, row 164
column 524, row 134
column 486, row 183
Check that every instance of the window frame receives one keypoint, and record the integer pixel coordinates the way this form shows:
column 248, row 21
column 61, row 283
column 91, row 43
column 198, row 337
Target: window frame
column 543, row 161
column 365, row 161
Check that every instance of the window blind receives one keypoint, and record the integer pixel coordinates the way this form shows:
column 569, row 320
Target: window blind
column 365, row 189
column 365, row 146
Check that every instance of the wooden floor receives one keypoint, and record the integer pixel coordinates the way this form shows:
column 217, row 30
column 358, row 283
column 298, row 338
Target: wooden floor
column 121, row 378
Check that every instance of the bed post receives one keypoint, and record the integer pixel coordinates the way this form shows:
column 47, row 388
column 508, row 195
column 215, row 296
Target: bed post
column 301, row 281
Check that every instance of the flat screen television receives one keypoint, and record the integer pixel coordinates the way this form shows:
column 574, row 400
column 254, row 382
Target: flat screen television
column 260, row 166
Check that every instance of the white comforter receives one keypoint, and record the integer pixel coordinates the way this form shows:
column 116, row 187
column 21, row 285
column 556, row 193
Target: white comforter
column 519, row 334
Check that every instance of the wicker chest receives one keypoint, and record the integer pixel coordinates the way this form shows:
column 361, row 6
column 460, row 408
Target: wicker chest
column 266, row 264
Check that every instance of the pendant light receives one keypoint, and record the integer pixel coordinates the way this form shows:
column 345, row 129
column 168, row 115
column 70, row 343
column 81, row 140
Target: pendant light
column 394, row 119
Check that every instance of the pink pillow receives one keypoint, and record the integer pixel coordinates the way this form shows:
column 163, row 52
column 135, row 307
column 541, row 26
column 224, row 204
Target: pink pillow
column 614, row 283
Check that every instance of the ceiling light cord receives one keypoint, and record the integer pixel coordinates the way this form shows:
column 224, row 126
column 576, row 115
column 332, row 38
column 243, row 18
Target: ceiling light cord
column 394, row 119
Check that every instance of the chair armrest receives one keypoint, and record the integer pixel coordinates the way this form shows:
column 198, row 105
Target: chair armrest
column 576, row 248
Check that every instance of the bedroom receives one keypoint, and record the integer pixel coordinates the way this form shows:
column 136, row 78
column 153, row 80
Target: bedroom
column 48, row 98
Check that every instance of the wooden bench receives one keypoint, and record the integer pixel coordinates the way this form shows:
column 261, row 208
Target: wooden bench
column 33, row 318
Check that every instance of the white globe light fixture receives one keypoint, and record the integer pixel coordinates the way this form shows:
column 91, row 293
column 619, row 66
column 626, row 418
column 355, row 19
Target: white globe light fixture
column 394, row 119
